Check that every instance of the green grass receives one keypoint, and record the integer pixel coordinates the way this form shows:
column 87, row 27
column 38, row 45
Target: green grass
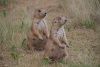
column 87, row 24
column 3, row 2
column 14, row 53
column 22, row 23
column 68, row 29
column 46, row 61
column 98, row 65
column 23, row 42
column 4, row 12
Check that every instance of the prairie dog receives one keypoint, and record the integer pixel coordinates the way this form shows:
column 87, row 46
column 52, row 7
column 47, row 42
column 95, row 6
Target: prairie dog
column 56, row 46
column 38, row 33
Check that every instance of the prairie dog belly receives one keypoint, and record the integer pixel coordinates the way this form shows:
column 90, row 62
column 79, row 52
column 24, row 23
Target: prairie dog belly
column 41, row 25
column 60, row 33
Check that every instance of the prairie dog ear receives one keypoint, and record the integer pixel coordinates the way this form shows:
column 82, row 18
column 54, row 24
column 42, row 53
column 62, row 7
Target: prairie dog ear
column 38, row 10
column 59, row 18
column 56, row 19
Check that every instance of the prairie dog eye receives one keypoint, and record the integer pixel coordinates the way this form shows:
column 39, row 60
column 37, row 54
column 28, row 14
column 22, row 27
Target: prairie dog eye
column 39, row 10
column 65, row 20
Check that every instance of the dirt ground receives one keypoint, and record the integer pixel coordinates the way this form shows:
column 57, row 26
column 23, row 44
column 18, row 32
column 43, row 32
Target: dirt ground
column 84, row 48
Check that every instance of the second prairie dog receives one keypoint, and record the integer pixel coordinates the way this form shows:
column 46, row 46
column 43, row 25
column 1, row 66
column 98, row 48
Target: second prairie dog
column 56, row 47
column 38, row 33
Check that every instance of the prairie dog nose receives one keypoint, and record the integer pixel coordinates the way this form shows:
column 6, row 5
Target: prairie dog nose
column 45, row 13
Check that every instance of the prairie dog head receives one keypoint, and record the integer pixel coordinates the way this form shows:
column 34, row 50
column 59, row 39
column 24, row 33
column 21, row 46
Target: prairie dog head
column 39, row 14
column 60, row 21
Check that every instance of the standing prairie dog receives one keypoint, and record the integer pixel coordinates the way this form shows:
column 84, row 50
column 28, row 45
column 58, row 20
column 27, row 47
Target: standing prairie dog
column 38, row 33
column 56, row 46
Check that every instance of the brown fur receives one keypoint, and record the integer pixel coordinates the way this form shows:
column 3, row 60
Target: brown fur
column 56, row 47
column 38, row 33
